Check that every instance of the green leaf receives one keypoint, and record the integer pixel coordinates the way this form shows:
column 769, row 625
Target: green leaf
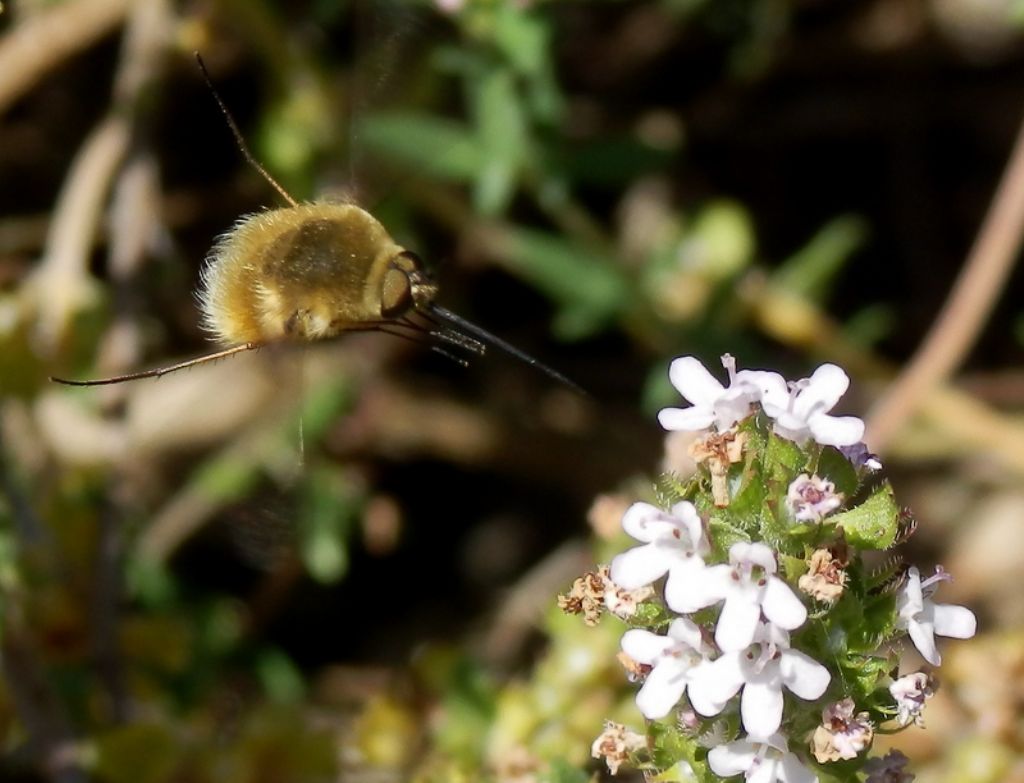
column 672, row 751
column 723, row 534
column 747, row 490
column 783, row 459
column 669, row 489
column 863, row 622
column 580, row 281
column 872, row 524
column 329, row 510
column 792, row 567
column 837, row 469
column 677, row 773
column 501, row 129
column 523, row 38
column 871, row 324
column 442, row 148
column 226, row 477
column 576, row 323
column 871, row 670
column 295, row 130
column 879, row 619
column 668, row 745
column 280, row 677
column 614, row 162
column 723, row 240
column 810, row 271
column 322, row 406
column 650, row 615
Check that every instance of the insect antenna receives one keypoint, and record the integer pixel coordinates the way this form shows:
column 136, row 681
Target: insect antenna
column 465, row 333
column 239, row 138
column 156, row 373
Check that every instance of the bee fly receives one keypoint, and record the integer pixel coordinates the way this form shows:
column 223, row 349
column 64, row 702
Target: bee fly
column 313, row 271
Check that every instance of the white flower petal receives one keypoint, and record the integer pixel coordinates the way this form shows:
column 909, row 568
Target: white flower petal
column 798, row 434
column 768, row 388
column 686, row 514
column 776, row 741
column 732, row 759
column 686, row 631
column 756, row 553
column 644, row 522
column 662, row 690
column 957, row 622
column 733, row 406
column 761, row 708
column 715, row 584
column 922, row 635
column 643, row 646
column 792, row 771
column 685, row 589
column 686, row 419
column 836, row 430
column 765, row 772
column 693, row 380
column 824, row 388
column 803, row 675
column 737, row 623
column 713, row 683
column 802, row 411
column 640, row 566
column 912, row 596
column 782, row 606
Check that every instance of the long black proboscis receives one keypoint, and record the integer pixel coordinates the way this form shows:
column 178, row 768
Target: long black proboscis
column 489, row 339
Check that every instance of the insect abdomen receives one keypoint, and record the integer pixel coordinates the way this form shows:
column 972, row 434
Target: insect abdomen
column 304, row 272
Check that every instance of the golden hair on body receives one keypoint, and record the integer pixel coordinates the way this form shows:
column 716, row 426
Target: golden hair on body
column 311, row 272
column 307, row 272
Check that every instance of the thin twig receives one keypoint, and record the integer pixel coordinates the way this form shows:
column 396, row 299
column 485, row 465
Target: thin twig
column 966, row 310
column 46, row 39
column 523, row 607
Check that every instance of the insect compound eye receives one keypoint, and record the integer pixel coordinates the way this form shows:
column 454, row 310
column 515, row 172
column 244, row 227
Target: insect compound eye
column 406, row 286
column 396, row 293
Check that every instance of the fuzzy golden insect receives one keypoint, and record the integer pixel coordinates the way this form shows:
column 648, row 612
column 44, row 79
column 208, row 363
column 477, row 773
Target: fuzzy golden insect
column 314, row 271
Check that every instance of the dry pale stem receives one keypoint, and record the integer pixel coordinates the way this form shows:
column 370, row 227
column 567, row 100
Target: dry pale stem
column 61, row 283
column 971, row 300
column 46, row 39
column 135, row 216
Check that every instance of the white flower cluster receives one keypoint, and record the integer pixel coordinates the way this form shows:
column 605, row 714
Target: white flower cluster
column 799, row 410
column 750, row 656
